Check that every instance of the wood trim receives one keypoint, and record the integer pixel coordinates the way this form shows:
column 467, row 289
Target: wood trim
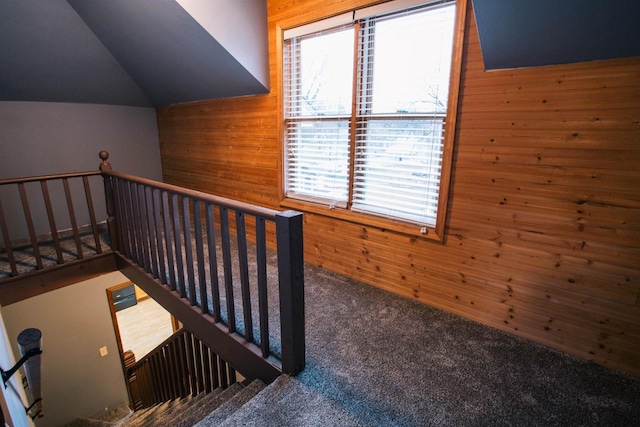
column 451, row 121
column 35, row 283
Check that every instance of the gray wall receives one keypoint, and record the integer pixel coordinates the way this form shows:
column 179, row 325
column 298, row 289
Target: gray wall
column 38, row 138
column 75, row 322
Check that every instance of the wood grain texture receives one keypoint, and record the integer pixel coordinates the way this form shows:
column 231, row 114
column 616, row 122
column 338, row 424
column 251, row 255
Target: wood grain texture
column 543, row 229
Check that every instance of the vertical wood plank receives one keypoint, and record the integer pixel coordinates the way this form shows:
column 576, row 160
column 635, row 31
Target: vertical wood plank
column 188, row 249
column 202, row 274
column 190, row 363
column 263, row 305
column 92, row 211
column 213, row 262
column 32, row 232
column 228, row 273
column 197, row 355
column 241, row 235
column 136, row 228
column 206, row 368
column 168, row 239
column 215, row 371
column 144, row 228
column 72, row 217
column 156, row 197
column 175, row 211
column 154, row 267
column 7, row 241
column 122, row 217
column 52, row 221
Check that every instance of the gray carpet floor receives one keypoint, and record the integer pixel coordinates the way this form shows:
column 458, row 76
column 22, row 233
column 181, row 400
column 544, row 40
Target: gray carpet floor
column 377, row 359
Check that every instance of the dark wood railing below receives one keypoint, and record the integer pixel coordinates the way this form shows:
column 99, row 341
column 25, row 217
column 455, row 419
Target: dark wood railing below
column 178, row 245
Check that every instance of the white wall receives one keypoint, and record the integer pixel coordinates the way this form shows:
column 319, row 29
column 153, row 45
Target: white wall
column 40, row 138
column 75, row 322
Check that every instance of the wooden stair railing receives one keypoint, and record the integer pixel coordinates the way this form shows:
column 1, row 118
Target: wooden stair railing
column 182, row 365
column 48, row 223
column 171, row 242
column 18, row 186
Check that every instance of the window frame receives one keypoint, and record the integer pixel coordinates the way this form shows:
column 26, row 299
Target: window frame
column 436, row 233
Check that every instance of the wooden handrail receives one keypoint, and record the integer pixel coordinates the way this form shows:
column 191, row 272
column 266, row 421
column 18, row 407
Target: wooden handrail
column 258, row 211
column 166, row 242
column 47, row 177
column 54, row 217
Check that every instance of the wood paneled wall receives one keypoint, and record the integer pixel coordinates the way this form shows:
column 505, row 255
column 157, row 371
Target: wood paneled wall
column 543, row 236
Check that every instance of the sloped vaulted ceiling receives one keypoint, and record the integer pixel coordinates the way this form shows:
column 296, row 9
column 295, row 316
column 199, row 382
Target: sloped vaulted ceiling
column 528, row 33
column 139, row 53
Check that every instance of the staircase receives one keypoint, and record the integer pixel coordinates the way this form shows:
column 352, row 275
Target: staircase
column 202, row 410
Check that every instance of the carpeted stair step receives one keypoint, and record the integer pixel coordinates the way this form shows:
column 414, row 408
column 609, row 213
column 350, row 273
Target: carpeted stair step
column 151, row 416
column 215, row 418
column 181, row 412
column 109, row 418
column 90, row 422
column 203, row 407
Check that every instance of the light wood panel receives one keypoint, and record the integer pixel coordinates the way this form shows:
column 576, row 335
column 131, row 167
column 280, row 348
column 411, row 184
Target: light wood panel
column 143, row 327
column 544, row 209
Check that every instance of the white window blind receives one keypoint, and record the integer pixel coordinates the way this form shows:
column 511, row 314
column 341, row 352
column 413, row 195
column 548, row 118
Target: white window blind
column 404, row 62
column 403, row 68
column 317, row 112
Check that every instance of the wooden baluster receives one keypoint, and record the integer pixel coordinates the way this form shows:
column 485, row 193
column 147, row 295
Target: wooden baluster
column 72, row 217
column 127, row 220
column 202, row 276
column 263, row 305
column 197, row 356
column 92, row 214
column 136, row 226
column 206, row 368
column 190, row 365
column 178, row 245
column 105, row 167
column 224, row 378
column 166, row 214
column 228, row 273
column 159, row 240
column 241, row 235
column 155, row 268
column 175, row 368
column 144, row 228
column 30, row 227
column 232, row 375
column 213, row 262
column 188, row 250
column 7, row 242
column 52, row 221
column 291, row 290
column 215, row 366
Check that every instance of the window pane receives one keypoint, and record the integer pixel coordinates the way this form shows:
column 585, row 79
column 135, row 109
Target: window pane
column 397, row 168
column 409, row 59
column 405, row 64
column 318, row 84
column 320, row 76
column 318, row 160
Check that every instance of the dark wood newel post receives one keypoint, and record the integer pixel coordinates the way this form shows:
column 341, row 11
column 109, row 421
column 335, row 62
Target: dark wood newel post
column 105, row 166
column 291, row 279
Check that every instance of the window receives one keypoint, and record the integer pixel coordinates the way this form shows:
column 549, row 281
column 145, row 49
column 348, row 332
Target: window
column 365, row 109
